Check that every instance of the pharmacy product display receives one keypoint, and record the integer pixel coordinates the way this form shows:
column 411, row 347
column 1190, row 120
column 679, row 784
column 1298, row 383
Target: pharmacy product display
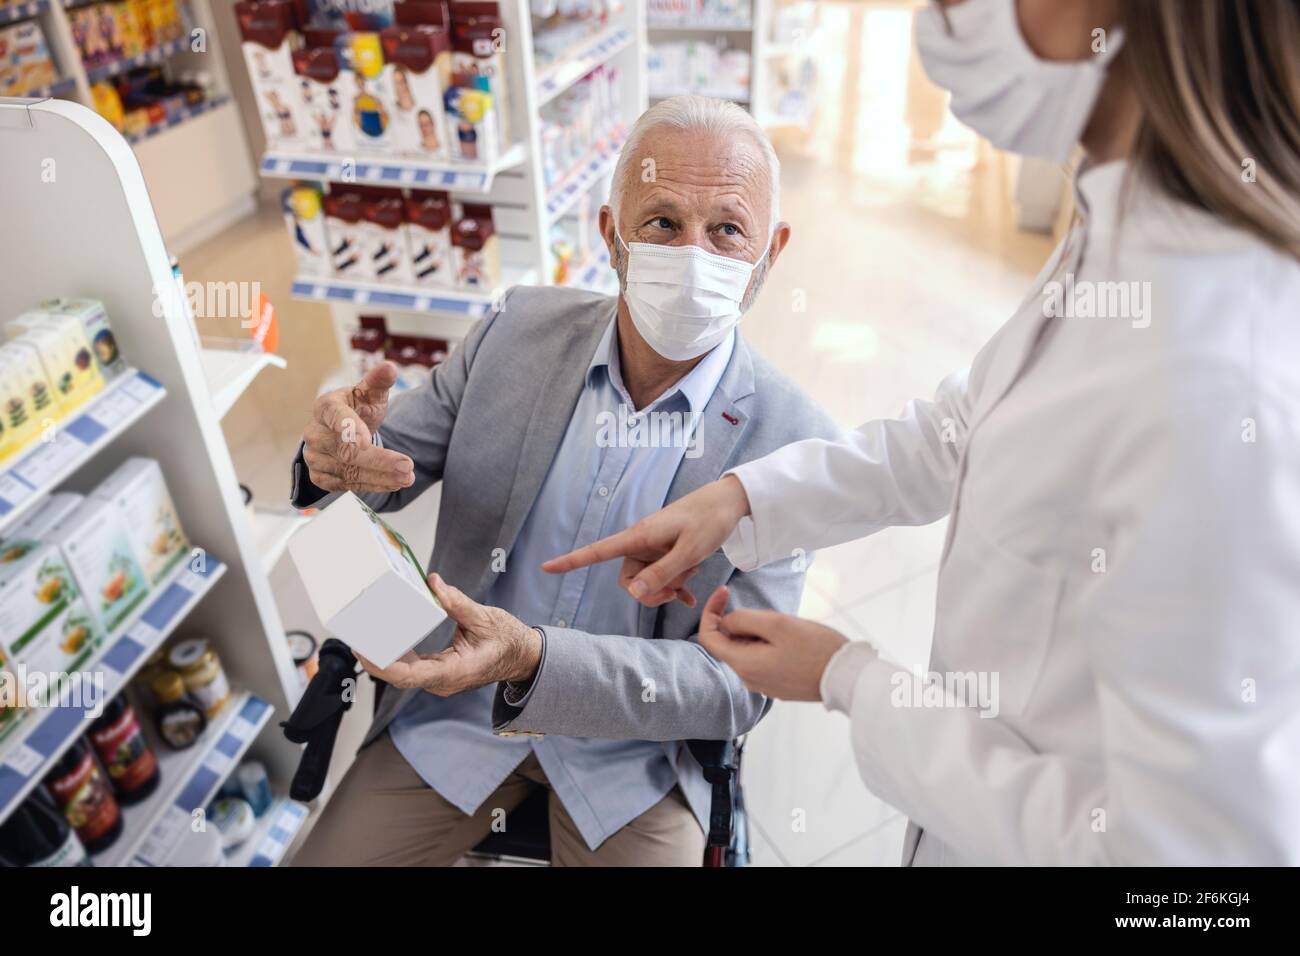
column 701, row 13
column 423, row 79
column 80, row 789
column 415, row 357
column 576, row 124
column 38, row 834
column 705, row 67
column 112, row 32
column 119, row 742
column 410, row 238
column 147, row 98
column 25, row 62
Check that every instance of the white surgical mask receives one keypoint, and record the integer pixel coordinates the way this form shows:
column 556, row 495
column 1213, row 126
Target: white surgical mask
column 1000, row 88
column 683, row 300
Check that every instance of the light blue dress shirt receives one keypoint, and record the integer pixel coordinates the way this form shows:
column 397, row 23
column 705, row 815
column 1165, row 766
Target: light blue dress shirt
column 613, row 468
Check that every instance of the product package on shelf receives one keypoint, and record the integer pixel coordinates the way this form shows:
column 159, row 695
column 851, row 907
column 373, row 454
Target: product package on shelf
column 94, row 319
column 139, row 492
column 475, row 250
column 384, row 239
column 36, row 526
column 46, row 623
column 415, row 357
column 368, row 104
column 419, row 49
column 343, row 227
column 25, row 62
column 98, row 548
column 581, row 118
column 326, row 125
column 270, row 33
column 477, row 103
column 60, row 341
column 105, row 32
column 304, row 215
column 27, row 399
column 428, row 238
column 368, row 342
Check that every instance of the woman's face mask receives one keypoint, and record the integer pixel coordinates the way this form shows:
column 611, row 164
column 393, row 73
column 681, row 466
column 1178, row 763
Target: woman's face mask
column 682, row 299
column 1000, row 88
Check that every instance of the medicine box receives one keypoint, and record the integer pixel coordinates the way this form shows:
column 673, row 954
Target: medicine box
column 364, row 583
column 98, row 550
column 27, row 399
column 61, row 342
column 37, row 525
column 94, row 321
column 45, row 623
column 138, row 491
column 304, row 215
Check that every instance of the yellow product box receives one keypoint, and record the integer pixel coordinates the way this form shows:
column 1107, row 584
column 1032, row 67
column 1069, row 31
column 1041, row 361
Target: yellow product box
column 95, row 541
column 132, row 31
column 65, row 352
column 139, row 492
column 46, row 624
column 27, row 398
column 99, row 333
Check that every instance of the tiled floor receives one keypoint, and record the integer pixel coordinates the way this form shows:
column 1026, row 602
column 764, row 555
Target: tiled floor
column 904, row 260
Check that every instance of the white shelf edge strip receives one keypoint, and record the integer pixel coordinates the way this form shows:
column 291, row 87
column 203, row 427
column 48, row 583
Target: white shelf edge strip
column 151, row 836
column 28, row 756
column 274, row 834
column 473, row 305
column 39, row 469
column 697, row 23
column 21, row 11
column 389, row 171
column 230, row 372
column 557, row 77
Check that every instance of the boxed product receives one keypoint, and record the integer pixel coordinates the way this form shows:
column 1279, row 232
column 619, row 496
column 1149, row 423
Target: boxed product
column 428, row 238
column 475, row 250
column 327, row 127
column 94, row 319
column 37, row 525
column 138, row 491
column 60, row 341
column 25, row 62
column 99, row 551
column 384, row 243
column 45, row 623
column 131, row 27
column 369, row 102
column 270, row 32
column 94, row 33
column 415, row 357
column 368, row 343
column 477, row 105
column 27, row 398
column 304, row 215
column 420, row 54
column 343, row 212
column 364, row 583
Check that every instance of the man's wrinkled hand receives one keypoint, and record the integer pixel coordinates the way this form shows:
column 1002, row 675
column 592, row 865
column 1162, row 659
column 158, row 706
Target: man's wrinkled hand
column 338, row 444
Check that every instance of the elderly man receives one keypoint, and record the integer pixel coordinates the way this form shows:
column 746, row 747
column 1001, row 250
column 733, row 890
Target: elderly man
column 563, row 417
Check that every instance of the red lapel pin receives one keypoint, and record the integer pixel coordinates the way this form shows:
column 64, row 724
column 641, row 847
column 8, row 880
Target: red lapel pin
column 731, row 419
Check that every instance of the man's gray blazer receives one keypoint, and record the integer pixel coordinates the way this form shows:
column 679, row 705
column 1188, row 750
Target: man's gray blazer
column 487, row 425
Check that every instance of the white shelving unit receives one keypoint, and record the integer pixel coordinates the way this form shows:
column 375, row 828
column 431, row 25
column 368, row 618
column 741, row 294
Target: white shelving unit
column 167, row 412
column 738, row 33
column 197, row 164
column 525, row 207
column 230, row 371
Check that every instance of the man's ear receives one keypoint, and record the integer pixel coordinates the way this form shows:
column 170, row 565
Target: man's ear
column 779, row 238
column 606, row 222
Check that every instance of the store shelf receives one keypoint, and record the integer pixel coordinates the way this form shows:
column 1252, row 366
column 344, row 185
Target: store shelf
column 41, row 740
column 155, row 55
column 22, row 11
column 176, row 119
column 274, row 835
column 59, row 87
column 598, row 164
column 736, row 96
column 595, row 276
column 474, row 305
column 554, row 78
column 272, row 531
column 230, row 371
column 24, row 481
column 188, row 780
column 697, row 24
column 391, row 171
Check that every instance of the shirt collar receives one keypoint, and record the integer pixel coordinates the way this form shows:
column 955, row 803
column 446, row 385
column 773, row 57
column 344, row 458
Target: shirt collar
column 697, row 385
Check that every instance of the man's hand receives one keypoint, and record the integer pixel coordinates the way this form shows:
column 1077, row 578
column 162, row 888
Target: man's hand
column 338, row 443
column 775, row 654
column 489, row 646
column 662, row 551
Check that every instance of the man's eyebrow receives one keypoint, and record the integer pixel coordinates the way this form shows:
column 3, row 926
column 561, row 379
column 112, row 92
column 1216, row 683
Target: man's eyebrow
column 658, row 205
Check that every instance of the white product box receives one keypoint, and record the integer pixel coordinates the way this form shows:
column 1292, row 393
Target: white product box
column 44, row 621
column 139, row 492
column 421, row 72
column 94, row 319
column 346, row 234
column 363, row 581
column 367, row 93
column 269, row 41
column 384, row 240
column 99, row 551
column 304, row 216
column 48, row 513
column 428, row 239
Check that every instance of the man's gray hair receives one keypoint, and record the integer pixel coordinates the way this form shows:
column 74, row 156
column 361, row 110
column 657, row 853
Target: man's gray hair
column 704, row 114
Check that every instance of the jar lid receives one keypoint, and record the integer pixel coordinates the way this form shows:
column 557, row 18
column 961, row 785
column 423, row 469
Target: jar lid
column 168, row 686
column 301, row 645
column 188, row 653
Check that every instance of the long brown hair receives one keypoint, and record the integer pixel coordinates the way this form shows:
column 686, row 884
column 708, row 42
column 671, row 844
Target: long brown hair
column 1219, row 86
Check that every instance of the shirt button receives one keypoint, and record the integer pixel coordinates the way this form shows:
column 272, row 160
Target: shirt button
column 561, row 623
column 603, row 491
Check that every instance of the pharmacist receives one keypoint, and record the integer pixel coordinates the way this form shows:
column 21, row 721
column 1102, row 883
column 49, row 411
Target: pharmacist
column 1123, row 492
column 523, row 427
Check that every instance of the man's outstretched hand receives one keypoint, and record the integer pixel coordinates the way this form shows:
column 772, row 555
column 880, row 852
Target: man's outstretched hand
column 338, row 443
column 662, row 551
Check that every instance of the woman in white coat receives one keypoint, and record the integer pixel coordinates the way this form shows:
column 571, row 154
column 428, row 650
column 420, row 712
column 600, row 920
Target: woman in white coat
column 1120, row 467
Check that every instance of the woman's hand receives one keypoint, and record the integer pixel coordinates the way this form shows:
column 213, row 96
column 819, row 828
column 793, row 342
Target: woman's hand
column 775, row 654
column 662, row 551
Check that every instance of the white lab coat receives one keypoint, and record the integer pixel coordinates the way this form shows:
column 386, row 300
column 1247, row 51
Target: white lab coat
column 1123, row 552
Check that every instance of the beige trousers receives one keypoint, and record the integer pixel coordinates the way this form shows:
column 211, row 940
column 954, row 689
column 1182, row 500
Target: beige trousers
column 384, row 814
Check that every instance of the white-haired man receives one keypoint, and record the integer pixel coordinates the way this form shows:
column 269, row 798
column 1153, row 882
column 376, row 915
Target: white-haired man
column 563, row 417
